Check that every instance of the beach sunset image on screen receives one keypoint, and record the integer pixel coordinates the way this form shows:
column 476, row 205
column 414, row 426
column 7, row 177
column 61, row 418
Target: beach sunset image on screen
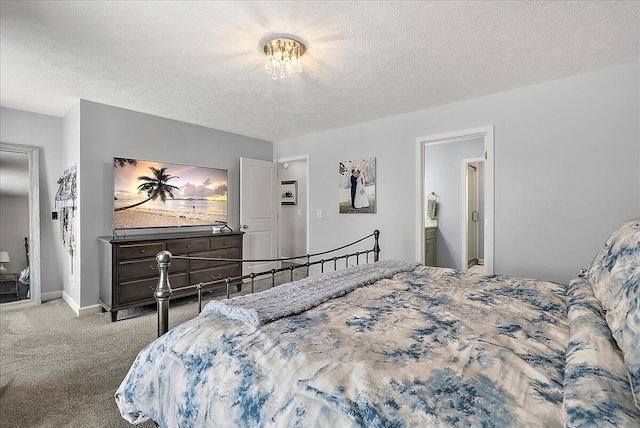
column 159, row 194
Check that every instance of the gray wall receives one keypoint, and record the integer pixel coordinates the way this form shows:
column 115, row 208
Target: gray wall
column 19, row 127
column 561, row 148
column 107, row 132
column 443, row 175
column 14, row 227
column 293, row 226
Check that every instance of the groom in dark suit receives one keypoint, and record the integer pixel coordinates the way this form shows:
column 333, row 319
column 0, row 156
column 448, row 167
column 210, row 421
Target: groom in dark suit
column 354, row 183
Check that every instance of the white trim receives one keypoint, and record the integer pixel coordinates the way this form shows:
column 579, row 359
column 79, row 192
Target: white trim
column 81, row 311
column 419, row 219
column 89, row 310
column 34, row 215
column 72, row 304
column 294, row 159
column 487, row 133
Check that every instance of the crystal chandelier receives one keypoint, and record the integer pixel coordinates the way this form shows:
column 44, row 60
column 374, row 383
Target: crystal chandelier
column 283, row 54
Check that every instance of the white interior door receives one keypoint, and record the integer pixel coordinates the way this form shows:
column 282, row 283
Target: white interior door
column 259, row 203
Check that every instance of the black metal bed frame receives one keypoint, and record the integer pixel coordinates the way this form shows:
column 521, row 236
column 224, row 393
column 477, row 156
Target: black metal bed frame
column 164, row 291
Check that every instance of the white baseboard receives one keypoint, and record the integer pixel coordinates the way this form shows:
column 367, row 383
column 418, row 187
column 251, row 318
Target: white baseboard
column 89, row 310
column 51, row 295
column 72, row 304
column 78, row 310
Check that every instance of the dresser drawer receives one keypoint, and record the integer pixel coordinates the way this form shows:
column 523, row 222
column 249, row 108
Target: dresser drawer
column 187, row 246
column 129, row 270
column 224, row 253
column 217, row 273
column 139, row 251
column 226, row 242
column 134, row 291
column 146, row 268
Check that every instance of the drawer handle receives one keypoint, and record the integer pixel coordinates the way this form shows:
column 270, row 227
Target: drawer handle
column 142, row 251
column 224, row 242
column 217, row 276
column 188, row 246
column 152, row 267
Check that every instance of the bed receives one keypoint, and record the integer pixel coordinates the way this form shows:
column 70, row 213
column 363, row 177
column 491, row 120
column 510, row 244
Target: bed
column 406, row 345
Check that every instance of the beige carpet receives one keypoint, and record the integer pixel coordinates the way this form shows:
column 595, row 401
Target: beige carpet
column 58, row 370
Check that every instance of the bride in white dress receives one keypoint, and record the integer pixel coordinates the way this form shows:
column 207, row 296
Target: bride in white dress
column 361, row 200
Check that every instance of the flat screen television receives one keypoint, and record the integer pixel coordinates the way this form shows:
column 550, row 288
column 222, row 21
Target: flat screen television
column 150, row 194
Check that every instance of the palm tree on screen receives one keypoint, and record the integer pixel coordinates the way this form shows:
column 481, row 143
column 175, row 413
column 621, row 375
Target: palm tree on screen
column 155, row 187
column 122, row 162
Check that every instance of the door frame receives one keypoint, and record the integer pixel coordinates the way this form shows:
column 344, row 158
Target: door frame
column 298, row 158
column 465, row 210
column 34, row 220
column 487, row 134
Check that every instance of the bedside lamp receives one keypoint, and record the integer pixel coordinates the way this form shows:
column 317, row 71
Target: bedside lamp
column 4, row 258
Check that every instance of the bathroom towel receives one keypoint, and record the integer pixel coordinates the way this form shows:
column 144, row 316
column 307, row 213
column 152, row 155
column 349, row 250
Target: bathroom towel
column 431, row 208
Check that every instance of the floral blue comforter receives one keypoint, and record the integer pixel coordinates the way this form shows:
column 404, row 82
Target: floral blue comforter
column 597, row 391
column 431, row 347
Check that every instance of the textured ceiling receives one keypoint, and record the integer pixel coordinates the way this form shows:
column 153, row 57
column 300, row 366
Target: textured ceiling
column 14, row 174
column 202, row 62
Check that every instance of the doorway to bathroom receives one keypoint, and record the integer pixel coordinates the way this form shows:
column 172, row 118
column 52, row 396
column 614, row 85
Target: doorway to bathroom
column 455, row 200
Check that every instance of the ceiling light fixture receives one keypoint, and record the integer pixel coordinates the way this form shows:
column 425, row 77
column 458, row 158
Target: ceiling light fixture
column 283, row 54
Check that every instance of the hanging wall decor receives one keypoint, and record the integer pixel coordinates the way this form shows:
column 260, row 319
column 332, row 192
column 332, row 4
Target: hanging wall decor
column 66, row 205
column 357, row 188
column 289, row 192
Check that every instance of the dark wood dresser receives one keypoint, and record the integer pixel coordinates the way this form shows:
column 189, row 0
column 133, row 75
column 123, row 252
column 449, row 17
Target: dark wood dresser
column 128, row 267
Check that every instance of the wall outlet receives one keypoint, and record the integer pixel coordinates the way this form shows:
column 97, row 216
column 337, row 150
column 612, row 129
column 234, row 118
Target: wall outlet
column 319, row 213
column 54, row 215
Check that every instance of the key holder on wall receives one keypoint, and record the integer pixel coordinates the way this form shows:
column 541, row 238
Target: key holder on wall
column 65, row 203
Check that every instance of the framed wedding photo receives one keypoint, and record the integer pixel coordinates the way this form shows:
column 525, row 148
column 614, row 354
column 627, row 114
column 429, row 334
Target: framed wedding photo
column 357, row 188
column 289, row 192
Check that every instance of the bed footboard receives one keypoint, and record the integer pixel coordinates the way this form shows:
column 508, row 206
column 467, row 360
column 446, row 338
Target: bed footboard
column 163, row 291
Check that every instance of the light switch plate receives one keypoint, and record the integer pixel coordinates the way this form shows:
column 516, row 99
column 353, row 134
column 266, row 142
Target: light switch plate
column 319, row 213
